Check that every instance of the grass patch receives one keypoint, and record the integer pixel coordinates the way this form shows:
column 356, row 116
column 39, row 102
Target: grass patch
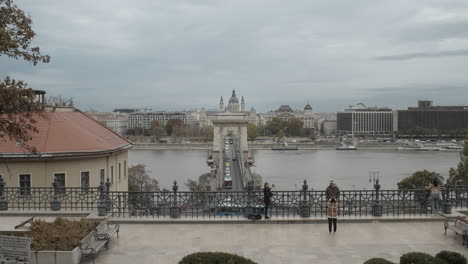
column 63, row 234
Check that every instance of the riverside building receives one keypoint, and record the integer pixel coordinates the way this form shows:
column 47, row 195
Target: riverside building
column 361, row 120
column 438, row 119
column 144, row 119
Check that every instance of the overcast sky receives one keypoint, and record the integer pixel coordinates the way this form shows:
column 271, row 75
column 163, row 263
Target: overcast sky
column 174, row 55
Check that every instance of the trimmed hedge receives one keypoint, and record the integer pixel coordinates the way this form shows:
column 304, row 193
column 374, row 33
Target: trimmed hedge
column 378, row 261
column 214, row 258
column 451, row 257
column 419, row 258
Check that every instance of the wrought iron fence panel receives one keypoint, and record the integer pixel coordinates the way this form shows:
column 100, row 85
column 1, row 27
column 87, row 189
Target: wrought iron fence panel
column 40, row 198
column 317, row 202
column 458, row 195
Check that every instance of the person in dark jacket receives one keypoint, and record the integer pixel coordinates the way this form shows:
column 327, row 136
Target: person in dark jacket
column 267, row 194
column 332, row 191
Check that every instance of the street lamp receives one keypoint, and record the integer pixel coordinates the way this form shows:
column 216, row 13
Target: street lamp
column 374, row 176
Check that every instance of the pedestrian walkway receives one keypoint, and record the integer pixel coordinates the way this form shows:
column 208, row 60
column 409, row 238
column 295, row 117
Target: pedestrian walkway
column 280, row 243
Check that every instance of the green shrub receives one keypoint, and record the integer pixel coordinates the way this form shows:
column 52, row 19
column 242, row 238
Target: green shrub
column 451, row 257
column 214, row 258
column 419, row 258
column 378, row 261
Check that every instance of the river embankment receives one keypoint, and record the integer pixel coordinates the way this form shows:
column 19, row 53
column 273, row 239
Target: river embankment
column 256, row 146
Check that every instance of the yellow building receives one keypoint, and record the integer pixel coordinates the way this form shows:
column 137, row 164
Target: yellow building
column 72, row 148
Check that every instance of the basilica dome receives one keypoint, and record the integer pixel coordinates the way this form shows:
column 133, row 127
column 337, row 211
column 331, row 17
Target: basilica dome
column 233, row 99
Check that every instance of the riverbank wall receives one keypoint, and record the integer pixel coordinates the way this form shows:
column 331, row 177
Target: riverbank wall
column 254, row 146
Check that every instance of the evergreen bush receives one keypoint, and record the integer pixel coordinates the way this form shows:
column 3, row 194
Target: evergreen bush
column 451, row 257
column 378, row 261
column 214, row 258
column 419, row 258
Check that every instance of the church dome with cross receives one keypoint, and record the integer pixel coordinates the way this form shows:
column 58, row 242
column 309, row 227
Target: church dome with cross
column 233, row 104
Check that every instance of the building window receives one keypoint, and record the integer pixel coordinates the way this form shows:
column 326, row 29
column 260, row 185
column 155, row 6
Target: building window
column 85, row 181
column 125, row 169
column 59, row 178
column 25, row 184
column 103, row 176
column 119, row 172
column 112, row 174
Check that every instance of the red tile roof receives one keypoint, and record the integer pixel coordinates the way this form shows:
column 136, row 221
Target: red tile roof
column 68, row 133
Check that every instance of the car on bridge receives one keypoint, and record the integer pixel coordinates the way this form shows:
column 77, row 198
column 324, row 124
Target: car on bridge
column 227, row 182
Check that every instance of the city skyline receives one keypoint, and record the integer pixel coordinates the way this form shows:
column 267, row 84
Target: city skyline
column 185, row 55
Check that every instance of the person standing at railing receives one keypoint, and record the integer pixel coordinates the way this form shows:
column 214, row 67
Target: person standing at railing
column 435, row 194
column 332, row 191
column 332, row 214
column 267, row 194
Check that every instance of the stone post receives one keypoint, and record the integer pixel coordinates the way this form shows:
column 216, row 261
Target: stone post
column 305, row 208
column 447, row 205
column 175, row 209
column 249, row 210
column 55, row 204
column 102, row 208
column 3, row 201
column 377, row 210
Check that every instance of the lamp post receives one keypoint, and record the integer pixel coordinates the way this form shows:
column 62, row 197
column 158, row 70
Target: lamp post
column 374, row 176
column 175, row 210
column 446, row 195
column 305, row 208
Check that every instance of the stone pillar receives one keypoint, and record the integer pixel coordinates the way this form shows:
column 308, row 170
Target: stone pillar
column 55, row 204
column 102, row 208
column 3, row 201
column 244, row 146
column 175, row 209
column 305, row 208
column 217, row 138
column 377, row 208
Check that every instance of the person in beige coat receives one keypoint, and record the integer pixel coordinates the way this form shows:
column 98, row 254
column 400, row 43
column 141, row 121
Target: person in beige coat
column 332, row 214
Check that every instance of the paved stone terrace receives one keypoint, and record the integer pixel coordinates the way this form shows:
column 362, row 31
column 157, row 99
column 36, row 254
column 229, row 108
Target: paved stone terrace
column 280, row 243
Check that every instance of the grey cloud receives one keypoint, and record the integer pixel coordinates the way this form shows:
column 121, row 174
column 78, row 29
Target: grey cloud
column 422, row 55
column 183, row 54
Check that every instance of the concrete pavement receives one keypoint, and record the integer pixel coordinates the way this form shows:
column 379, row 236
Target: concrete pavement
column 354, row 243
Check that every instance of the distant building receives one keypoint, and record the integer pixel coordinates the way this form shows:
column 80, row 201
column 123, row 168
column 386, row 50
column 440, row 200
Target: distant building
column 440, row 119
column 205, row 117
column 73, row 149
column 285, row 112
column 362, row 120
column 125, row 110
column 328, row 127
column 118, row 122
column 144, row 119
column 325, row 123
column 233, row 105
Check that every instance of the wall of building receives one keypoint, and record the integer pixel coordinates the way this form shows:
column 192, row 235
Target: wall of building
column 443, row 120
column 42, row 172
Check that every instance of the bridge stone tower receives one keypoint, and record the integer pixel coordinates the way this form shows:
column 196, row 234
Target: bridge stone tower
column 230, row 124
column 234, row 125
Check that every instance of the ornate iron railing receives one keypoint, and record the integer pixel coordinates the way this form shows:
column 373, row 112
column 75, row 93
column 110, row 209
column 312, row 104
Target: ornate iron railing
column 285, row 204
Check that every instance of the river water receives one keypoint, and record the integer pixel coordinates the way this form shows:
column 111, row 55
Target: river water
column 288, row 169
